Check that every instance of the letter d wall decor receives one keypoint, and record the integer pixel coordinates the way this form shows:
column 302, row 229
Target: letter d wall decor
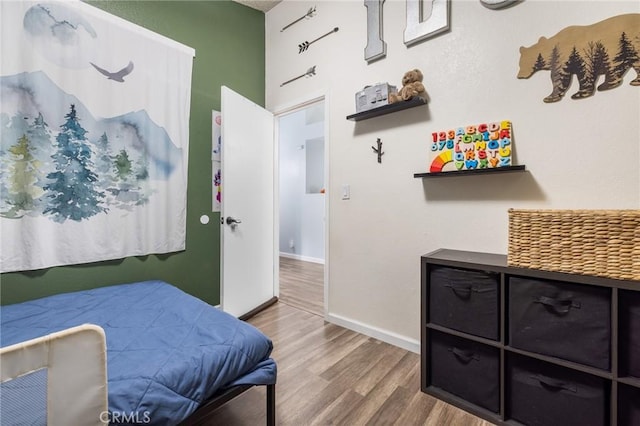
column 424, row 19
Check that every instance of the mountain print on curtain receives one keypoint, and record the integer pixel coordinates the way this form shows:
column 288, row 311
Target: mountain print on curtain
column 93, row 159
column 70, row 172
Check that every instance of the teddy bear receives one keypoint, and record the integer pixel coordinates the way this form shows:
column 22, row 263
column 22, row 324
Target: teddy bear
column 411, row 87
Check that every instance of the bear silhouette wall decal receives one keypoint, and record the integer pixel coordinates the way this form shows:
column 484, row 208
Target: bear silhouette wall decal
column 607, row 49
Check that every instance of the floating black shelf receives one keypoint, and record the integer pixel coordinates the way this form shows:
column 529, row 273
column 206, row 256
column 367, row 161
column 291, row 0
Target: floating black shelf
column 387, row 109
column 507, row 169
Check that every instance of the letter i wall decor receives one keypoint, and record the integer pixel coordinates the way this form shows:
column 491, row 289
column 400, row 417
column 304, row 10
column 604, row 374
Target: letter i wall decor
column 481, row 146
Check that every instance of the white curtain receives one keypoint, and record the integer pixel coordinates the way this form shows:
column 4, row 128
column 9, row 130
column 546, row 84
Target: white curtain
column 94, row 137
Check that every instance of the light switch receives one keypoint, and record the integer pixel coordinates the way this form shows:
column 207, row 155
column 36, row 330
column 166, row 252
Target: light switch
column 346, row 192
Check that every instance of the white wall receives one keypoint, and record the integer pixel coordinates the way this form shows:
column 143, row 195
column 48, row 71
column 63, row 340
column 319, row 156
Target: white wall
column 301, row 213
column 579, row 153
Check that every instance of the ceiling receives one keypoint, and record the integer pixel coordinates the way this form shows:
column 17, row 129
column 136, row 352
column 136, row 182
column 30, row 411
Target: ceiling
column 263, row 5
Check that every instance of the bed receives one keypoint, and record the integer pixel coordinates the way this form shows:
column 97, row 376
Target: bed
column 171, row 358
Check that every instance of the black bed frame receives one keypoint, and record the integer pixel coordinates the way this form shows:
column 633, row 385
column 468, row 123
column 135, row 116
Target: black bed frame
column 200, row 416
column 220, row 398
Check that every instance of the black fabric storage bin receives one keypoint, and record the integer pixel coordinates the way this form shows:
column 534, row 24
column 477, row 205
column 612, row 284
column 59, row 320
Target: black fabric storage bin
column 543, row 394
column 465, row 368
column 630, row 332
column 568, row 321
column 465, row 300
column 628, row 406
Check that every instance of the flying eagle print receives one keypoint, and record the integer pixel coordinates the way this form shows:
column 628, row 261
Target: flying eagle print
column 115, row 76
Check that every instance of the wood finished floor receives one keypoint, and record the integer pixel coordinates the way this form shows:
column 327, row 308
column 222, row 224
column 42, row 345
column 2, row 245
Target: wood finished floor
column 328, row 375
column 302, row 285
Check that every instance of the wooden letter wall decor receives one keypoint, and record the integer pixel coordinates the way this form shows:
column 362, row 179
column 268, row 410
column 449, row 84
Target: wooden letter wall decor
column 425, row 18
column 376, row 47
column 607, row 48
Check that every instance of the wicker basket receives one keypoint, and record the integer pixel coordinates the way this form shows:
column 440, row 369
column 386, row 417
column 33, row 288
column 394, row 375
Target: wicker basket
column 604, row 243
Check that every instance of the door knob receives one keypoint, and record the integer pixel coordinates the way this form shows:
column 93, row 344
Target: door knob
column 231, row 221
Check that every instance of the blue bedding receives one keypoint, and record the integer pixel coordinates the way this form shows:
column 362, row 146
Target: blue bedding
column 167, row 351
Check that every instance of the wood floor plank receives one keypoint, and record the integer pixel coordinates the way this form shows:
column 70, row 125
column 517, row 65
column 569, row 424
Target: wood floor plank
column 445, row 414
column 354, row 364
column 302, row 285
column 336, row 350
column 392, row 356
column 305, row 403
column 392, row 407
column 316, row 404
column 417, row 411
column 343, row 403
column 331, row 351
column 394, row 373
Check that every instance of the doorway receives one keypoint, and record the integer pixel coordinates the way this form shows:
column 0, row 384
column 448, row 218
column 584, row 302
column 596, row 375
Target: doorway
column 302, row 206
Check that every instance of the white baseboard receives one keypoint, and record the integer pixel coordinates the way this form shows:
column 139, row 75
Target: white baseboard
column 300, row 257
column 377, row 333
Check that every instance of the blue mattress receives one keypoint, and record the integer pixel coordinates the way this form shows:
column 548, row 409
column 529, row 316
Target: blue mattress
column 167, row 351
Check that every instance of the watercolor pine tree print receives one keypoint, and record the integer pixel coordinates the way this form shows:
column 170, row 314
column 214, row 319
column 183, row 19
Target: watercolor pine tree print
column 122, row 166
column 40, row 136
column 141, row 170
column 130, row 188
column 22, row 167
column 73, row 193
column 104, row 162
column 23, row 175
column 67, row 175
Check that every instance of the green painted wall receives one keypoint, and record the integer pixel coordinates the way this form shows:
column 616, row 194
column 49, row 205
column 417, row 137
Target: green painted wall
column 229, row 43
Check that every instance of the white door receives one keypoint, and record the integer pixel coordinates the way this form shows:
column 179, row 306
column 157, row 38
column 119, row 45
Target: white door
column 247, row 228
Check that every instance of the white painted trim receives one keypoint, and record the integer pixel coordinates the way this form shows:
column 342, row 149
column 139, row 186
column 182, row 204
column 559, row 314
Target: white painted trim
column 276, row 206
column 301, row 257
column 299, row 104
column 327, row 197
column 377, row 333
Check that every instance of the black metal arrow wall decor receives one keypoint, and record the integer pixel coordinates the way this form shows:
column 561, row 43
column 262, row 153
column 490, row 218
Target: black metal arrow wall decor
column 305, row 44
column 309, row 73
column 310, row 13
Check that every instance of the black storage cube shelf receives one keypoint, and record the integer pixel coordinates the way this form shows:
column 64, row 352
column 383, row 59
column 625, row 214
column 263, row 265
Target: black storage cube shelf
column 465, row 368
column 465, row 300
column 630, row 333
column 548, row 349
column 568, row 321
column 543, row 394
column 628, row 406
